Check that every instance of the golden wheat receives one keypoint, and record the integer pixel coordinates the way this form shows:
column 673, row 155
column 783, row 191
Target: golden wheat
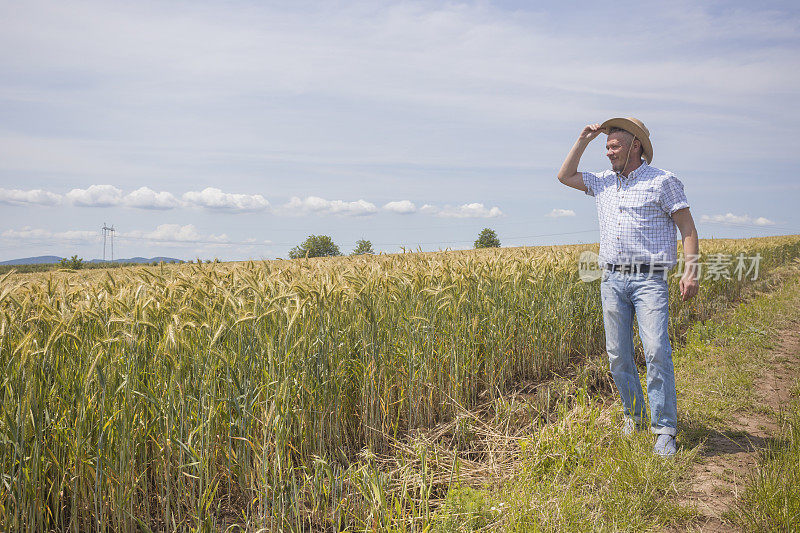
column 255, row 393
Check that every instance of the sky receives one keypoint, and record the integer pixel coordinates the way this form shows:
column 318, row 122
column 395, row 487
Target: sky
column 235, row 129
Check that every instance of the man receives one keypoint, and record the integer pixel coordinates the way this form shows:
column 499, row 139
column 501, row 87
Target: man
column 639, row 207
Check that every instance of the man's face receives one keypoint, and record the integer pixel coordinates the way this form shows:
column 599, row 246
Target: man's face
column 617, row 149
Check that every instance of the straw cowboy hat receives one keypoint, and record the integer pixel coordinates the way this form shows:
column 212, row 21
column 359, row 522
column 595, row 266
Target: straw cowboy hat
column 635, row 127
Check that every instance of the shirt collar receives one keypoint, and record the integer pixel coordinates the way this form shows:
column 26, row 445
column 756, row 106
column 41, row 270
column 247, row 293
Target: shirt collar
column 634, row 173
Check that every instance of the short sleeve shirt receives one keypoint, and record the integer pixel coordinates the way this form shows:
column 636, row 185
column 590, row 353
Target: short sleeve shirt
column 636, row 225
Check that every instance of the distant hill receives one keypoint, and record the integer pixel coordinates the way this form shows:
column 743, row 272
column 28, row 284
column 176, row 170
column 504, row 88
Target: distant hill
column 38, row 260
column 45, row 259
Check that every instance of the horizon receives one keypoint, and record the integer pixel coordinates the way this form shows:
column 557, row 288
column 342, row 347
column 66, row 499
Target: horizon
column 345, row 255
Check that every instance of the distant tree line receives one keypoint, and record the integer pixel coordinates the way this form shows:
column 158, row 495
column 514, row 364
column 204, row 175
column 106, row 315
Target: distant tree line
column 313, row 246
column 323, row 245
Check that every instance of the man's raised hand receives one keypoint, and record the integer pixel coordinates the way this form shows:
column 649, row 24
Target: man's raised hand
column 590, row 132
column 569, row 175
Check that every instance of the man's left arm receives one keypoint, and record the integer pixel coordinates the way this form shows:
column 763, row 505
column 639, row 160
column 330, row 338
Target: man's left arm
column 689, row 284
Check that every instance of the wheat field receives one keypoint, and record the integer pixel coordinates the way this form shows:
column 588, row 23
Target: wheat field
column 205, row 396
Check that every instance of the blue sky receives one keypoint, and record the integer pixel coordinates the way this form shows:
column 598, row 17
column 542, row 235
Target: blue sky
column 235, row 129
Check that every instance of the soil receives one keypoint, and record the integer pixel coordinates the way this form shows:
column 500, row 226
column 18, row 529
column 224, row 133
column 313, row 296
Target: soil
column 728, row 457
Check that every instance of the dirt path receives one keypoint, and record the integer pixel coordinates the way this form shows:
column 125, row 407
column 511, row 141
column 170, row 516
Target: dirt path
column 727, row 457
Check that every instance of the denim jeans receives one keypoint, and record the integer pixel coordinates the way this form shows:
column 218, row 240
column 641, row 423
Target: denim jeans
column 646, row 296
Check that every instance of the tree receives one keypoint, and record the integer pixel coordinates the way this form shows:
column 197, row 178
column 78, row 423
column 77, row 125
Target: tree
column 487, row 239
column 73, row 262
column 363, row 247
column 315, row 246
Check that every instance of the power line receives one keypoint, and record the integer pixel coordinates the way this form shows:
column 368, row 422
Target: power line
column 504, row 238
column 106, row 233
column 750, row 226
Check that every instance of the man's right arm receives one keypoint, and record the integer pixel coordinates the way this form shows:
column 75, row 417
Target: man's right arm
column 569, row 175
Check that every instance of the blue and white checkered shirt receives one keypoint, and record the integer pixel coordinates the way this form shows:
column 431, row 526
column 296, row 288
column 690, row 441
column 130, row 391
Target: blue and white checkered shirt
column 635, row 215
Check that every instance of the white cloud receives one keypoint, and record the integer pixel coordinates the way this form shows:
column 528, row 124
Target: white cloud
column 213, row 198
column 28, row 233
column 763, row 221
column 77, row 235
column 142, row 198
column 31, row 197
column 95, row 196
column 162, row 234
column 455, row 85
column 147, row 198
column 730, row 218
column 321, row 206
column 460, row 60
column 557, row 213
column 175, row 233
column 473, row 210
column 401, row 207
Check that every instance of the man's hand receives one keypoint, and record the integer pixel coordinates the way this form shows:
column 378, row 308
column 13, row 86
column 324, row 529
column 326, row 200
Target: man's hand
column 689, row 284
column 569, row 175
column 590, row 132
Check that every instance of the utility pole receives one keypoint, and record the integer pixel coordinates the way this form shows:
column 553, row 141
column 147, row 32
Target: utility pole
column 108, row 235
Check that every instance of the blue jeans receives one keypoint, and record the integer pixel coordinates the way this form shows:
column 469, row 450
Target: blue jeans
column 647, row 297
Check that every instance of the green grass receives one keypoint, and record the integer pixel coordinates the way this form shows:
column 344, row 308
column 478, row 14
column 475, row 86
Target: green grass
column 716, row 368
column 579, row 474
column 771, row 501
column 465, row 509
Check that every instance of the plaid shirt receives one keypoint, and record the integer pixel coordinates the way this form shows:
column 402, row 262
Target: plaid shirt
column 635, row 215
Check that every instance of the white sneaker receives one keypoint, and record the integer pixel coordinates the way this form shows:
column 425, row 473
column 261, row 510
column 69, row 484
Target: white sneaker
column 628, row 427
column 665, row 445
